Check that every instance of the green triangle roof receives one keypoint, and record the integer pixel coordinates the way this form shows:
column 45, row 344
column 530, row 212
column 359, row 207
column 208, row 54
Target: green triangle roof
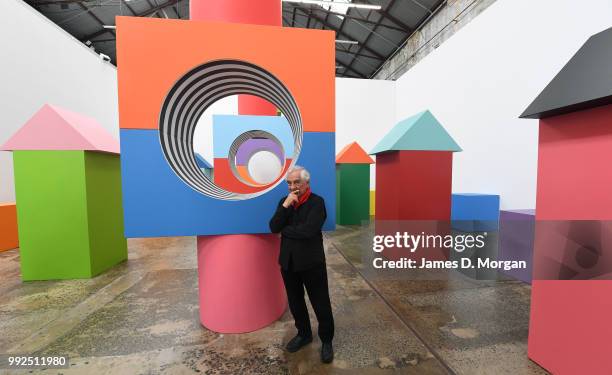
column 421, row 132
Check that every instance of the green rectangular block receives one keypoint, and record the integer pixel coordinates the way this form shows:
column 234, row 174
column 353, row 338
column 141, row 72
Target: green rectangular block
column 352, row 193
column 69, row 213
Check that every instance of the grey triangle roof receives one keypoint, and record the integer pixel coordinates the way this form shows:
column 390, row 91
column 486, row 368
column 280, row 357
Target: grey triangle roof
column 584, row 82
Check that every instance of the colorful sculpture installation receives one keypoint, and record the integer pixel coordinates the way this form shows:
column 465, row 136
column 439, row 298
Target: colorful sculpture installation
column 570, row 330
column 166, row 194
column 352, row 185
column 68, row 188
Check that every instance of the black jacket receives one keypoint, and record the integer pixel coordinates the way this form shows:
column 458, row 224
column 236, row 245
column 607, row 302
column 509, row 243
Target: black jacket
column 301, row 237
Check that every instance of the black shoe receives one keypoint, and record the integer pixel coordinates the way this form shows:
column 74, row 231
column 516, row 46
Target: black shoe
column 297, row 343
column 327, row 352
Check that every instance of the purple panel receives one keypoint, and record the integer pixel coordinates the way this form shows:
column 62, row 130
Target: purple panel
column 516, row 237
column 251, row 146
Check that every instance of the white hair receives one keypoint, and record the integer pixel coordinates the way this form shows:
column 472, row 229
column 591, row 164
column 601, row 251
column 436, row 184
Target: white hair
column 304, row 174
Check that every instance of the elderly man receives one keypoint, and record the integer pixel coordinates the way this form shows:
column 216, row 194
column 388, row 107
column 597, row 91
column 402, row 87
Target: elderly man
column 299, row 218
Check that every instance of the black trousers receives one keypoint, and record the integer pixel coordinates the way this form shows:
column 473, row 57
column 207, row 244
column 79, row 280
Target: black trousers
column 315, row 281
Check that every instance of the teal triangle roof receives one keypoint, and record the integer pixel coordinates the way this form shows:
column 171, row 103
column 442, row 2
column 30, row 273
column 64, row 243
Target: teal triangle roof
column 421, row 132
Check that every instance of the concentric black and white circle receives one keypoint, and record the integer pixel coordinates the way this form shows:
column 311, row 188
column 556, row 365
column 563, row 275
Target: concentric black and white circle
column 196, row 91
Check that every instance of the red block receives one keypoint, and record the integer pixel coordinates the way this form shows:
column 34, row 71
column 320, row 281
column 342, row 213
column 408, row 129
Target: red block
column 575, row 166
column 260, row 12
column 570, row 330
column 414, row 185
column 254, row 105
column 413, row 193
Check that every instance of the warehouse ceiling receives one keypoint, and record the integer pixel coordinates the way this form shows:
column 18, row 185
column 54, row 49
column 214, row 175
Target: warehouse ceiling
column 366, row 38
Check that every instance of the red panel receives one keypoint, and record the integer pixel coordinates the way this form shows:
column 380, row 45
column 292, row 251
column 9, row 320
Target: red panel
column 254, row 105
column 414, row 185
column 260, row 12
column 575, row 166
column 569, row 329
column 387, row 188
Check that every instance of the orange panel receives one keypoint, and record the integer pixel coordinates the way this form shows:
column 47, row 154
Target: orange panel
column 244, row 173
column 353, row 154
column 8, row 226
column 153, row 54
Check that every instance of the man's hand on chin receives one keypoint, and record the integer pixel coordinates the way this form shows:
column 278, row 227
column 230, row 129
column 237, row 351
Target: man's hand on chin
column 292, row 197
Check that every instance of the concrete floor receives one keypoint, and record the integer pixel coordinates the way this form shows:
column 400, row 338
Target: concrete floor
column 141, row 317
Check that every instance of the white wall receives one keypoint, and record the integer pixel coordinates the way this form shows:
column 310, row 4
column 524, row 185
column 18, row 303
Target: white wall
column 41, row 64
column 365, row 112
column 479, row 81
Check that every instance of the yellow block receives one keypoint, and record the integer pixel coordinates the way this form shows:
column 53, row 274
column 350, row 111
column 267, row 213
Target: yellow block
column 372, row 203
column 8, row 226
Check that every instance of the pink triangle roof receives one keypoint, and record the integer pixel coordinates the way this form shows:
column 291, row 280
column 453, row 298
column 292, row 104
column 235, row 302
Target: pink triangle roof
column 353, row 154
column 55, row 128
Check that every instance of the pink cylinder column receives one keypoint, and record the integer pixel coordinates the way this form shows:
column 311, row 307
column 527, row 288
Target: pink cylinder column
column 241, row 289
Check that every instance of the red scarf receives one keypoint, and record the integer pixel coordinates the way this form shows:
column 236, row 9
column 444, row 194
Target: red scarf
column 302, row 198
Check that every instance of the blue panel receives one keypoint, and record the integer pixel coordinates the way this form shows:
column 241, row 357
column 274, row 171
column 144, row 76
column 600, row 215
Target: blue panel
column 157, row 203
column 226, row 128
column 475, row 212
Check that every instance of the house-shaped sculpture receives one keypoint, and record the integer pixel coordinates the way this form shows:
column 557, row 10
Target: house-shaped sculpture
column 571, row 301
column 68, row 189
column 414, row 168
column 352, row 185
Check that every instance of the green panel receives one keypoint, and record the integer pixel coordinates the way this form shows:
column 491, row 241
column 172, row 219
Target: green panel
column 52, row 214
column 352, row 193
column 105, row 213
